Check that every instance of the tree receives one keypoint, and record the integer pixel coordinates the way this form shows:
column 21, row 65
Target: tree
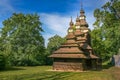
column 98, row 43
column 21, row 39
column 107, row 29
column 53, row 44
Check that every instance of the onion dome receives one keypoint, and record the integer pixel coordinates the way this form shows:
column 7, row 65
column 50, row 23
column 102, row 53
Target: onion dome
column 82, row 11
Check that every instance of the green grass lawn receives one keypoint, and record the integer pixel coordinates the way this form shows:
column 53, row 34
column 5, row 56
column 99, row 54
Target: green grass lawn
column 42, row 73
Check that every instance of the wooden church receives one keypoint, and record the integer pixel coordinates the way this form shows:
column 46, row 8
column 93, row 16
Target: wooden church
column 76, row 54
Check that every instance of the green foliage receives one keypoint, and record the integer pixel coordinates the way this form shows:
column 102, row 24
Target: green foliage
column 53, row 44
column 106, row 36
column 21, row 39
column 2, row 61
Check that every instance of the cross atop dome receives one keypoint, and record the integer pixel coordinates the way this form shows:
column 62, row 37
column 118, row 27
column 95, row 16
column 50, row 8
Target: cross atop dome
column 71, row 22
column 81, row 5
column 82, row 12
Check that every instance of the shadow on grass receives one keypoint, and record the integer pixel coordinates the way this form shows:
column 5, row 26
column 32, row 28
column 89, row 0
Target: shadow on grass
column 12, row 69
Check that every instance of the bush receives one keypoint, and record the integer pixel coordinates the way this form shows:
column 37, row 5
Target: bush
column 25, row 61
column 2, row 62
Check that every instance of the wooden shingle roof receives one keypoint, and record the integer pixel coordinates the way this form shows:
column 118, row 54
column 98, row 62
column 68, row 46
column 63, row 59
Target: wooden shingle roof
column 73, row 56
column 68, row 56
column 69, row 45
column 68, row 50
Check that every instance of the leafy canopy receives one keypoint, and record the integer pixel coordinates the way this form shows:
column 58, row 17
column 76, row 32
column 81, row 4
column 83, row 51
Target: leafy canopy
column 106, row 35
column 21, row 39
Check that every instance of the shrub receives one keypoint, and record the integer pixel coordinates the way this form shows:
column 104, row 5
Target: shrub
column 2, row 62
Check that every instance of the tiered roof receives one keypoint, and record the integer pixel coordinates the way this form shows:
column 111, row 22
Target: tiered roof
column 77, row 44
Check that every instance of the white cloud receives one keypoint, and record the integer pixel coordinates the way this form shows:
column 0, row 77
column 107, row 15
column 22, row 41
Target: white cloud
column 55, row 22
column 58, row 24
column 90, row 19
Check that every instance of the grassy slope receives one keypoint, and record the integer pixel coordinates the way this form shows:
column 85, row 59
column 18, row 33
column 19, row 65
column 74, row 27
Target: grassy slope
column 41, row 73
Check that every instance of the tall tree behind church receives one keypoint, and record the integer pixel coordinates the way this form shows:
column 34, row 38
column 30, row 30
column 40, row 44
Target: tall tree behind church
column 106, row 35
column 53, row 44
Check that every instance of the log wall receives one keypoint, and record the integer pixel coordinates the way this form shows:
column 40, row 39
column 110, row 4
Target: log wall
column 68, row 66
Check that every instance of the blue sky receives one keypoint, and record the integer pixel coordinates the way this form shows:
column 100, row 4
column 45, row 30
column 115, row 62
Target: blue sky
column 54, row 14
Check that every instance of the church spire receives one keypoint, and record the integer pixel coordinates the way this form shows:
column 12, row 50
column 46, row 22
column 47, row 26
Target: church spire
column 71, row 22
column 71, row 18
column 82, row 16
column 77, row 19
column 82, row 11
column 81, row 4
column 70, row 29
